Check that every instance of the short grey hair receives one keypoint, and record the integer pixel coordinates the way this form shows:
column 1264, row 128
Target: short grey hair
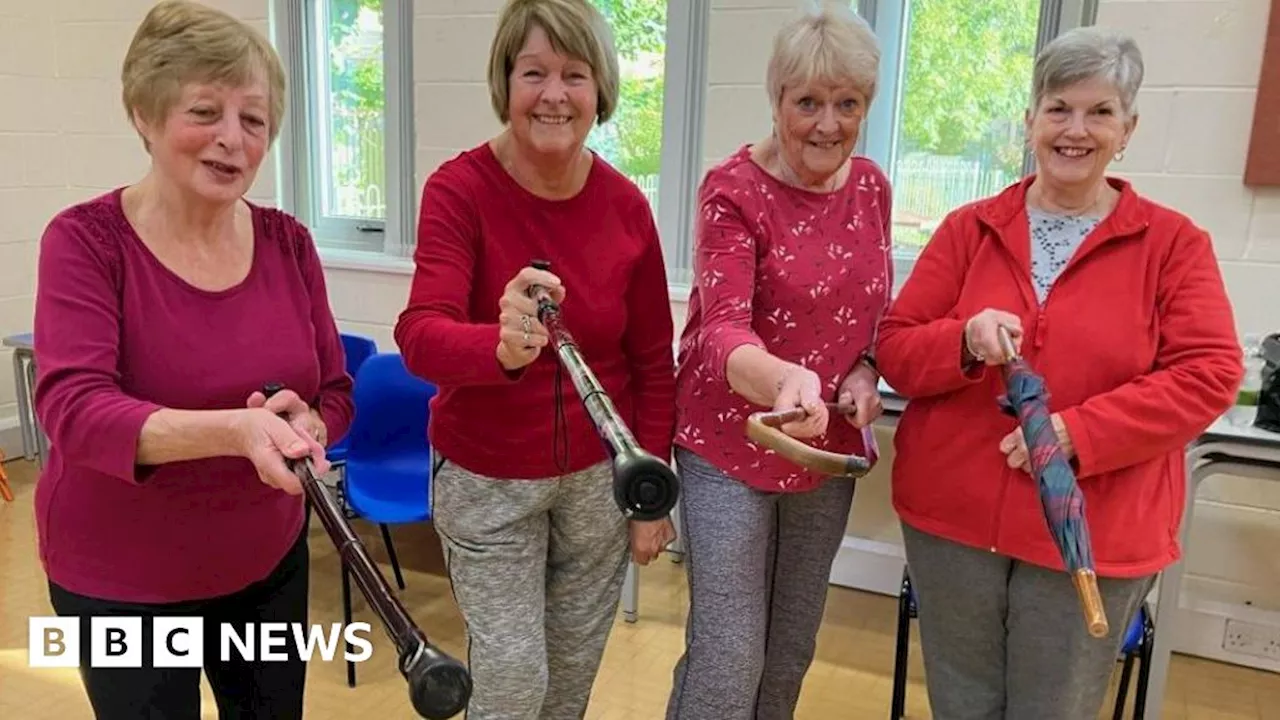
column 828, row 42
column 1086, row 53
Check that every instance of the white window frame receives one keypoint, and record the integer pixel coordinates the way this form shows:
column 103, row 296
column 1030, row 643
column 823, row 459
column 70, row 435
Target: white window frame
column 888, row 19
column 683, row 121
column 294, row 23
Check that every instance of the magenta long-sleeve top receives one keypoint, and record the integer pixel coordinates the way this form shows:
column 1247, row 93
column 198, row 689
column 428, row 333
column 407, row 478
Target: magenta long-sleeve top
column 119, row 336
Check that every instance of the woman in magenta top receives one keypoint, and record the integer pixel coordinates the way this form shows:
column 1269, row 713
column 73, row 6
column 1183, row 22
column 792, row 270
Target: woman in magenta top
column 162, row 309
column 793, row 272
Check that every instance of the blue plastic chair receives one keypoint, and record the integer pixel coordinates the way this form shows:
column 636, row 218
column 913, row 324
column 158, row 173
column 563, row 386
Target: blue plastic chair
column 387, row 478
column 1137, row 645
column 357, row 349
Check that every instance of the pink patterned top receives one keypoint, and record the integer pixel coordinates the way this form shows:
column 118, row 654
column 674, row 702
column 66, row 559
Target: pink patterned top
column 805, row 276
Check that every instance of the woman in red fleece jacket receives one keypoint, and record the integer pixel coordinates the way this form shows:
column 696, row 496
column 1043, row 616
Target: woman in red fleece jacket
column 1119, row 303
column 535, row 544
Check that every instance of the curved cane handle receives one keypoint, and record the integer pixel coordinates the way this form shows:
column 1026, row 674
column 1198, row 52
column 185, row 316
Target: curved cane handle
column 763, row 428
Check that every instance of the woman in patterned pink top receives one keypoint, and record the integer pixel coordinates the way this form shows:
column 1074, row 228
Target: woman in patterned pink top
column 793, row 273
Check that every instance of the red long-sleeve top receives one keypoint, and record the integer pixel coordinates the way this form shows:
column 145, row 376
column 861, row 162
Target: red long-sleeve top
column 477, row 229
column 805, row 276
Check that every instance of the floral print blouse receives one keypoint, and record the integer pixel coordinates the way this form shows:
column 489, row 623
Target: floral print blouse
column 804, row 275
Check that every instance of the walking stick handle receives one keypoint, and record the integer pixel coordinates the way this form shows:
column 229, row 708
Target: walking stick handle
column 764, row 428
column 1095, row 616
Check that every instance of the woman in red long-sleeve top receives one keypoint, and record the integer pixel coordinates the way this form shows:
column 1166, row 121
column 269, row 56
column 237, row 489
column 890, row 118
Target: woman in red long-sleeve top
column 162, row 309
column 793, row 273
column 535, row 543
column 1118, row 302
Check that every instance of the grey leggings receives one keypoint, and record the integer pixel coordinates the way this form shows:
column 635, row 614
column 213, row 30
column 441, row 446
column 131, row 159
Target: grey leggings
column 758, row 567
column 1004, row 639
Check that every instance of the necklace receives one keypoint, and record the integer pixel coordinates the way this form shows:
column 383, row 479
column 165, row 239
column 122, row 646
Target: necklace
column 1035, row 199
column 575, row 174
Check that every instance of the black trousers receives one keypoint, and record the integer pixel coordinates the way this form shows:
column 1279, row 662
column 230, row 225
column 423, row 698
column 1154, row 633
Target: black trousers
column 243, row 690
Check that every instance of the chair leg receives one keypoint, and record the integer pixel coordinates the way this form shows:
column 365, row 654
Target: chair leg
column 346, row 617
column 5, row 491
column 631, row 593
column 1144, row 671
column 391, row 553
column 901, row 654
column 1122, row 690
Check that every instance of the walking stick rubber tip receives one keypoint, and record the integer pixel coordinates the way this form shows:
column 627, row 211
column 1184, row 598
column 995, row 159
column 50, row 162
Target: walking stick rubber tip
column 439, row 685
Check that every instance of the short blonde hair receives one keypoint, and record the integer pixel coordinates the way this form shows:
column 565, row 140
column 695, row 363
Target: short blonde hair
column 180, row 42
column 574, row 27
column 828, row 42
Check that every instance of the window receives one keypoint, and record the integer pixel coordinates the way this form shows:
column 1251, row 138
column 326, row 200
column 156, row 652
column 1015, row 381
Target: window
column 346, row 177
column 654, row 137
column 947, row 124
column 632, row 140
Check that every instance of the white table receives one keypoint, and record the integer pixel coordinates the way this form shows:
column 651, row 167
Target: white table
column 1231, row 446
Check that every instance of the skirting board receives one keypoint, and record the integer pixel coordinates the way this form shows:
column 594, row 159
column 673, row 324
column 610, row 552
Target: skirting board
column 868, row 565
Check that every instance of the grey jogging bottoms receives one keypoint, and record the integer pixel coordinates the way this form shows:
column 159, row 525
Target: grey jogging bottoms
column 1004, row 639
column 537, row 569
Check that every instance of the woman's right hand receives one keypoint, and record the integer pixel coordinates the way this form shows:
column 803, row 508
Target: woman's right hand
column 522, row 337
column 266, row 439
column 801, row 388
column 982, row 336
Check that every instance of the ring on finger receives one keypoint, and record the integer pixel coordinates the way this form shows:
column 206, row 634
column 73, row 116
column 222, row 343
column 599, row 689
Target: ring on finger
column 526, row 325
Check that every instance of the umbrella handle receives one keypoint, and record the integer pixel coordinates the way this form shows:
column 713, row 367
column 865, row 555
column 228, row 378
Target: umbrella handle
column 1095, row 615
column 763, row 429
column 1006, row 343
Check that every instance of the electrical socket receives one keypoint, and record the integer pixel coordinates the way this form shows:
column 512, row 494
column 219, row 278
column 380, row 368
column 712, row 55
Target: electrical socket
column 1252, row 639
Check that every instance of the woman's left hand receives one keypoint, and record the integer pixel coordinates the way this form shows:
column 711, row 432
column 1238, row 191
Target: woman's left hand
column 860, row 389
column 649, row 539
column 300, row 415
column 1014, row 445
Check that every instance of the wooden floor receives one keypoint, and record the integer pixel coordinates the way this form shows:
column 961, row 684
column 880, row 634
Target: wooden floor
column 850, row 679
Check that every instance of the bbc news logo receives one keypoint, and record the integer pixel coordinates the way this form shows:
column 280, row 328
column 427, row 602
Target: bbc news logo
column 177, row 642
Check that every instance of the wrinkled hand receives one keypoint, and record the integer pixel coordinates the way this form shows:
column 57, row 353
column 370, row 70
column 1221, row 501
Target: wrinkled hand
column 801, row 388
column 982, row 338
column 266, row 439
column 649, row 539
column 860, row 389
column 522, row 337
column 301, row 416
column 1014, row 445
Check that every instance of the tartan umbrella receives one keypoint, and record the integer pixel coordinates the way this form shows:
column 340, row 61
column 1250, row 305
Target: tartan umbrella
column 1027, row 398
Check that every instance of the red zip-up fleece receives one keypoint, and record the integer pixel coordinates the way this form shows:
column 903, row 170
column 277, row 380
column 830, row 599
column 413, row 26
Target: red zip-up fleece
column 1136, row 342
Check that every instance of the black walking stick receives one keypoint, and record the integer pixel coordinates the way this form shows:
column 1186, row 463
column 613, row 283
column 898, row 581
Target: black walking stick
column 439, row 685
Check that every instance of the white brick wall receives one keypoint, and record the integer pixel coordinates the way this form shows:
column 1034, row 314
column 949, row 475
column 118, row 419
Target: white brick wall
column 63, row 138
column 63, row 135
